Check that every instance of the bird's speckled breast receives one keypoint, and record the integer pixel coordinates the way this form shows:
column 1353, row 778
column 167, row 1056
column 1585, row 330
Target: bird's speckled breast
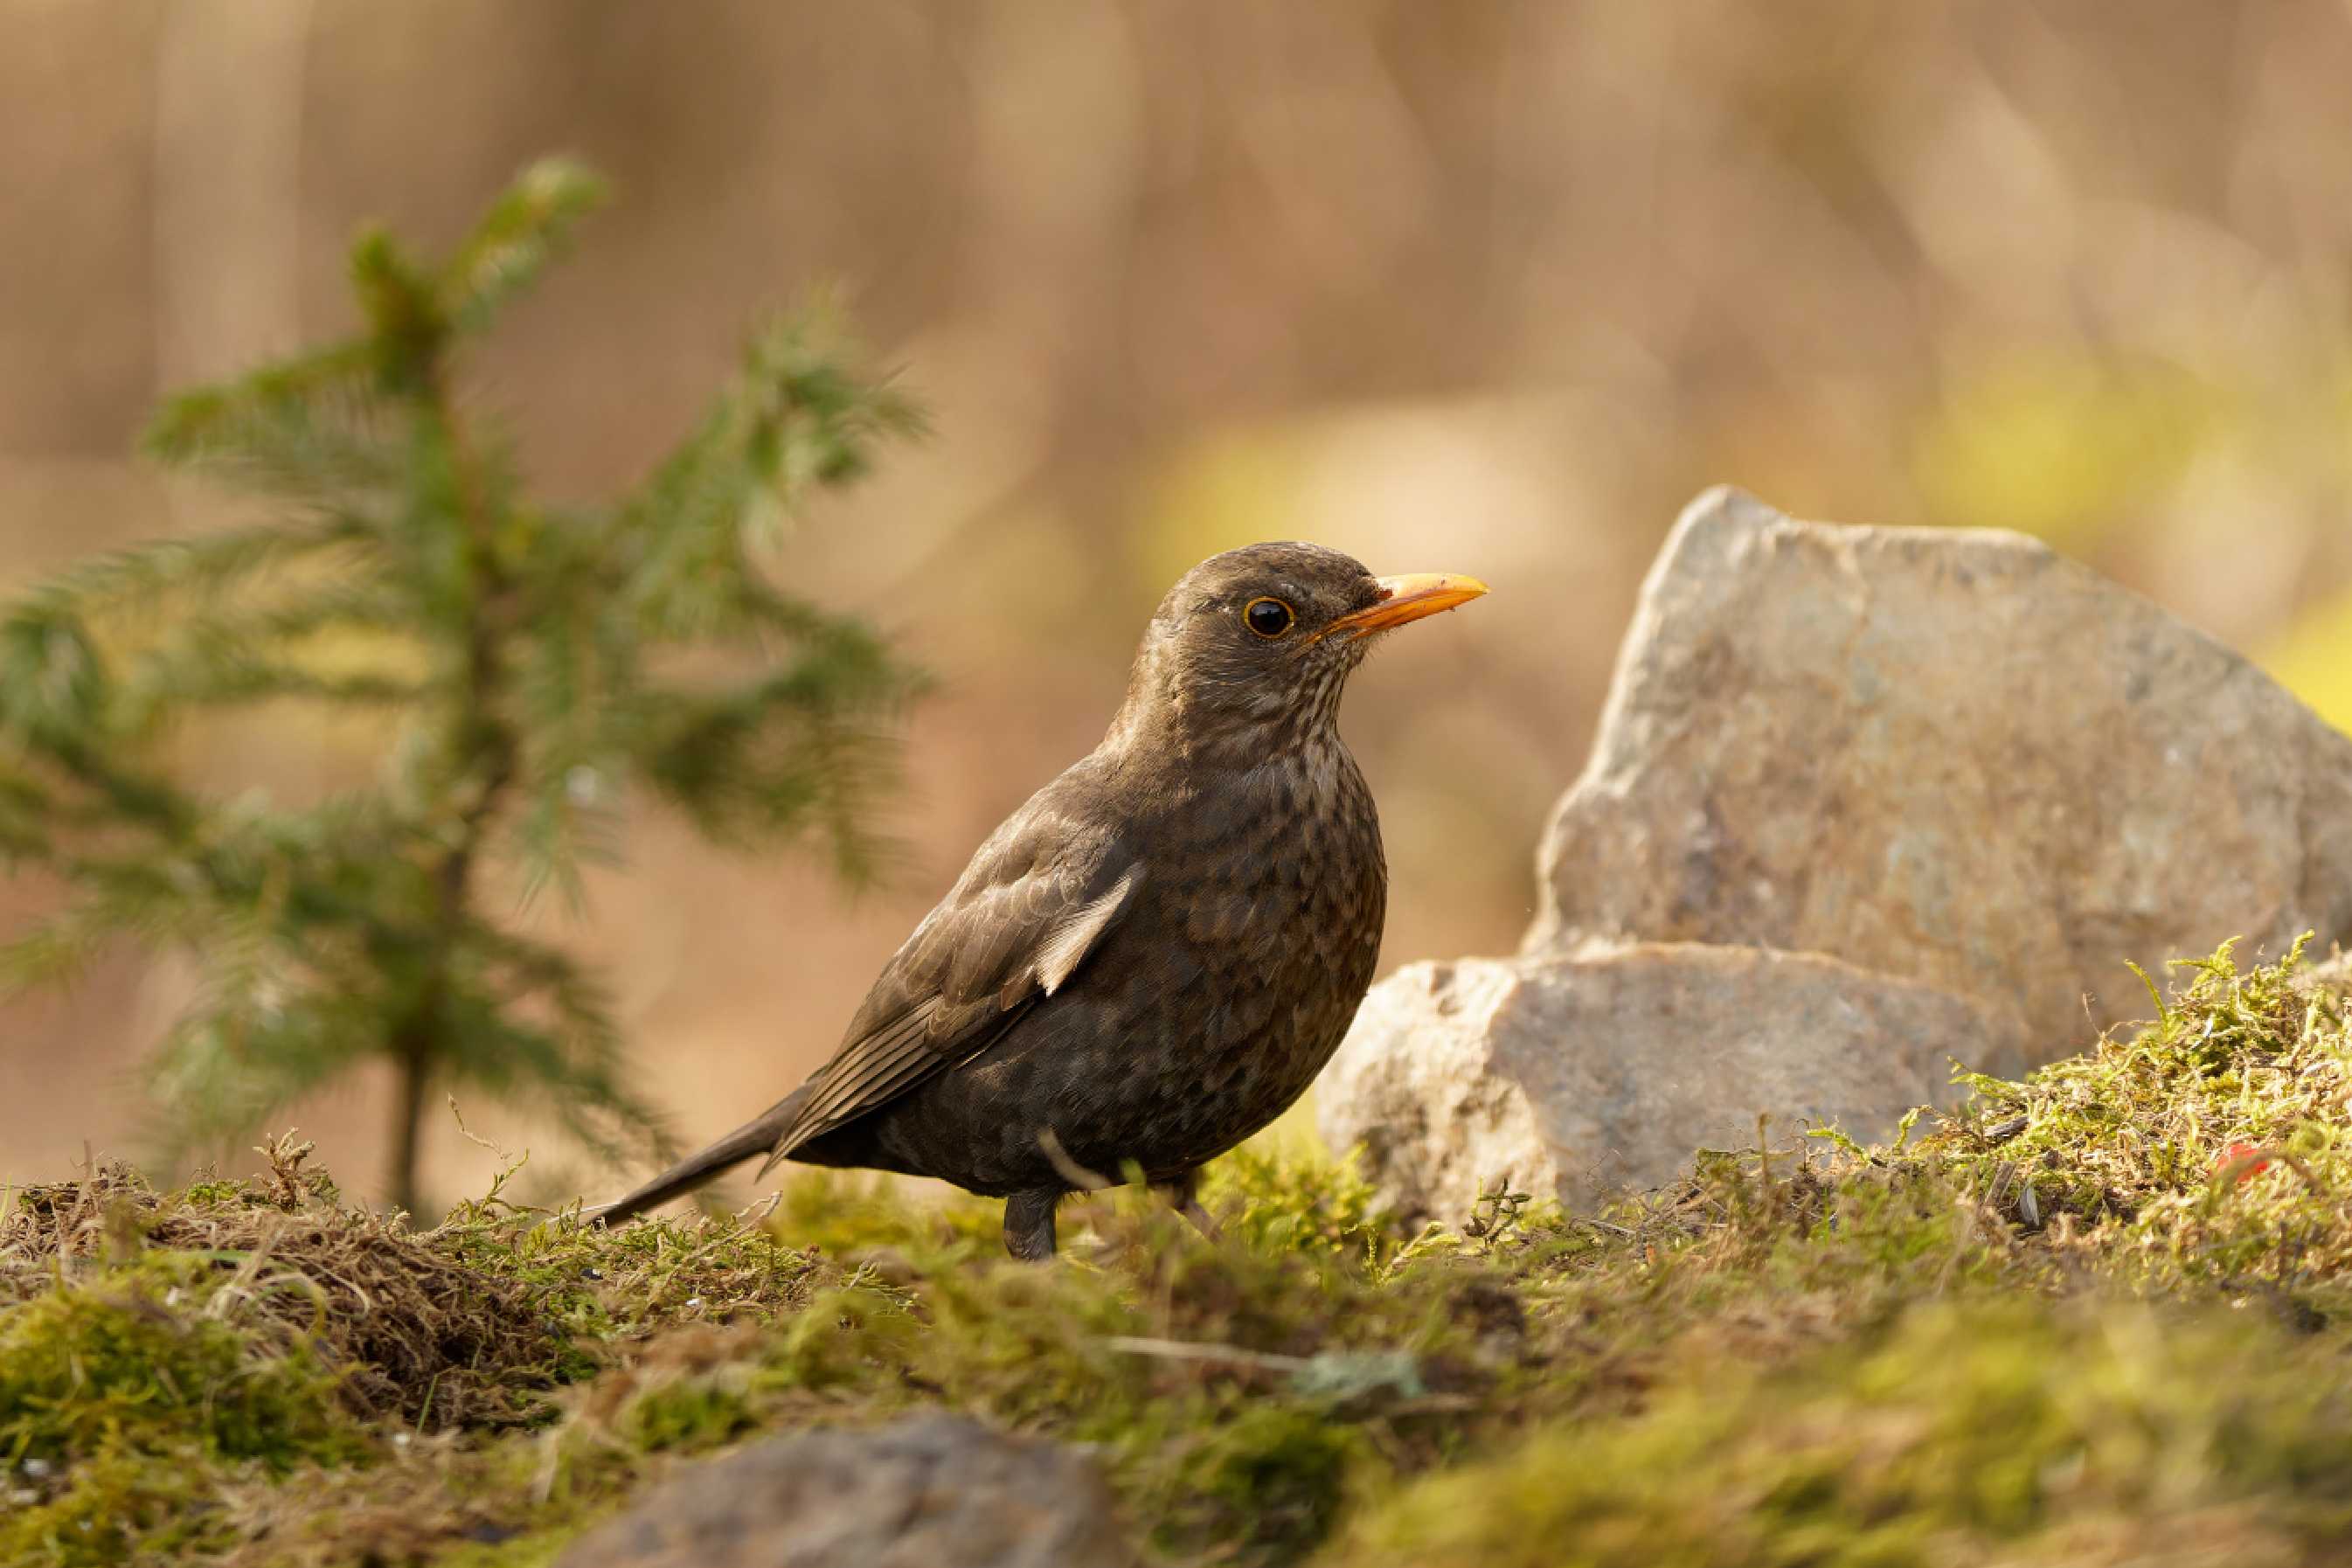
column 1204, row 1015
column 1286, row 934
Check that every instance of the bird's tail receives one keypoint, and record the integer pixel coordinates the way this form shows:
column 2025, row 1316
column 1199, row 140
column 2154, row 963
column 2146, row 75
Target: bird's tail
column 757, row 1136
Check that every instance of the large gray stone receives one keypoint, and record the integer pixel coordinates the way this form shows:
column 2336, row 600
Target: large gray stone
column 1578, row 1075
column 1893, row 793
column 934, row 1491
column 1950, row 755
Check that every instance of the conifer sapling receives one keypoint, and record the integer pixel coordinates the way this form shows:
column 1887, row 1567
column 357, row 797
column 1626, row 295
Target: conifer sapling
column 530, row 666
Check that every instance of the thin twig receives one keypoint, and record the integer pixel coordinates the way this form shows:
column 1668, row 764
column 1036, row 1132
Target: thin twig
column 1069, row 1170
column 1185, row 1350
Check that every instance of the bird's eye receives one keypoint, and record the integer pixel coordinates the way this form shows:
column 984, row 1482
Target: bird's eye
column 1266, row 617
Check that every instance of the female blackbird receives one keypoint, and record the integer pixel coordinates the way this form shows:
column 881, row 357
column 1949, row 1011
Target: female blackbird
column 1154, row 956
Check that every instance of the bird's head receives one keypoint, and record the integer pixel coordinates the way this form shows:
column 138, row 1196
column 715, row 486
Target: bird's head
column 1255, row 645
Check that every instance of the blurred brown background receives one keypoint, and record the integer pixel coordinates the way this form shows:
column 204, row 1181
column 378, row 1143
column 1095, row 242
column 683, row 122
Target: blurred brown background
column 1490, row 288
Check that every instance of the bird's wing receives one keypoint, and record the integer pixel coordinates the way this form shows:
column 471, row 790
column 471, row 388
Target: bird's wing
column 1035, row 900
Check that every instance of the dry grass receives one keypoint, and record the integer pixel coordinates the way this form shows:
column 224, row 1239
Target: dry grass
column 411, row 1329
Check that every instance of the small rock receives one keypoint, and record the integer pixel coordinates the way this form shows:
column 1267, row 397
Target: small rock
column 1950, row 755
column 1581, row 1075
column 934, row 1491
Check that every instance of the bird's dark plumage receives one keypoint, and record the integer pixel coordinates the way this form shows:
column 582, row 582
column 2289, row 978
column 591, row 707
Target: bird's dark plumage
column 1154, row 956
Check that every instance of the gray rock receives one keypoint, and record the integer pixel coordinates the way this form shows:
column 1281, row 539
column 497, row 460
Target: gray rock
column 1579, row 1075
column 934, row 1491
column 1893, row 793
column 1953, row 756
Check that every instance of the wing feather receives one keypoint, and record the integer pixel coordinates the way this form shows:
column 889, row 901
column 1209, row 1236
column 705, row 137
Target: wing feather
column 879, row 1058
column 1038, row 899
column 1072, row 934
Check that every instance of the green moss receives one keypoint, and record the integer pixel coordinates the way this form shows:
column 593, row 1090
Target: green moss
column 1976, row 1429
column 688, row 1414
column 129, row 1397
column 860, row 1218
column 532, row 1548
column 133, row 1355
column 176, row 1355
column 2207, row 1148
column 117, row 1505
column 213, row 1192
column 1943, row 1351
column 1275, row 1475
column 1285, row 1202
column 1231, row 1389
column 597, row 1284
column 2115, row 1163
column 2064, row 1324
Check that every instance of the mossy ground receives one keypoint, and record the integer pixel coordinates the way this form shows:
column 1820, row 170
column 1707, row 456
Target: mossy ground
column 2103, row 1315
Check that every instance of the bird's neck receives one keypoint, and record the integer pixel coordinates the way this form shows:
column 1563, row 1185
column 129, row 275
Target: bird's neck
column 1188, row 731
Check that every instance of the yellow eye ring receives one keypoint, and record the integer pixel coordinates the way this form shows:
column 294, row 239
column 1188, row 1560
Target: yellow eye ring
column 1268, row 618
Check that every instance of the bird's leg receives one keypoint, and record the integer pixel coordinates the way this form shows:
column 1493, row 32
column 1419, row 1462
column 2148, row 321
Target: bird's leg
column 1183, row 1196
column 1029, row 1224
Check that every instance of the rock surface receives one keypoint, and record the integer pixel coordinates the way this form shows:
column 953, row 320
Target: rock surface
column 931, row 1492
column 1886, row 794
column 1577, row 1076
column 1955, row 757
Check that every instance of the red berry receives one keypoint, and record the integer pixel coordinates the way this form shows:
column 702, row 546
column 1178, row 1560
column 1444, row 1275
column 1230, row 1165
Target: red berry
column 2236, row 1151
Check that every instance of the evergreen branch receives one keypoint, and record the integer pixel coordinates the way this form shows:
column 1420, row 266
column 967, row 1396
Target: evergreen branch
column 302, row 418
column 572, row 1057
column 221, row 884
column 566, row 691
column 809, row 417
column 800, row 747
column 407, row 331
column 29, row 814
column 341, row 604
column 234, row 1060
column 122, row 900
column 241, row 652
column 56, row 950
column 256, row 681
column 793, row 419
column 54, row 686
column 351, row 863
column 312, row 431
column 220, row 672
column 131, row 795
column 525, row 229
column 208, row 563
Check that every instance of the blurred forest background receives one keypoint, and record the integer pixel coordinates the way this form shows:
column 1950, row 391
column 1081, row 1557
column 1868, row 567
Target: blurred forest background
column 1492, row 288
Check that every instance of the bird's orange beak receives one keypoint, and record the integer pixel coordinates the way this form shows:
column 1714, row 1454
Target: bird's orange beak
column 1406, row 599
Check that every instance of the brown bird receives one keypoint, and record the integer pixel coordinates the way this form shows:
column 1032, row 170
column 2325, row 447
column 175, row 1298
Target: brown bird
column 1154, row 956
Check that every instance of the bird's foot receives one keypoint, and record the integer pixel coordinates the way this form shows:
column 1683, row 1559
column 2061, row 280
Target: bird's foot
column 1029, row 1224
column 1183, row 1196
